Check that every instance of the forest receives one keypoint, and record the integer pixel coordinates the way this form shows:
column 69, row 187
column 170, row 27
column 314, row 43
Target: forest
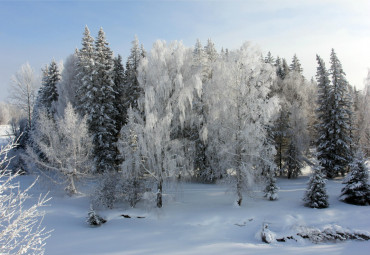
column 187, row 114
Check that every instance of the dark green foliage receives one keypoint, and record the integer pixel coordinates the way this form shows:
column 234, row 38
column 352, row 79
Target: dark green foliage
column 357, row 189
column 94, row 219
column 316, row 196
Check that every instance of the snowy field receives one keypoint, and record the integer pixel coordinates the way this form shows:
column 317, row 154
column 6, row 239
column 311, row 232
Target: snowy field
column 201, row 219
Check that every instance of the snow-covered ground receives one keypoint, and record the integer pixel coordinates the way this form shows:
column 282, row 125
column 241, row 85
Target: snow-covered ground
column 202, row 219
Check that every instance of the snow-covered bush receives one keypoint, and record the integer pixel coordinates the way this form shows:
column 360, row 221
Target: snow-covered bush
column 21, row 231
column 357, row 189
column 271, row 189
column 94, row 219
column 316, row 196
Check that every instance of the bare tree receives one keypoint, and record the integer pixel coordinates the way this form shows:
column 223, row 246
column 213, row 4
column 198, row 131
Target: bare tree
column 23, row 90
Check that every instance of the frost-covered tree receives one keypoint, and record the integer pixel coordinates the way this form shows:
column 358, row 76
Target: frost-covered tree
column 68, row 87
column 168, row 81
column 357, row 188
column 23, row 90
column 132, row 182
column 66, row 144
column 132, row 88
column 315, row 195
column 21, row 225
column 240, row 110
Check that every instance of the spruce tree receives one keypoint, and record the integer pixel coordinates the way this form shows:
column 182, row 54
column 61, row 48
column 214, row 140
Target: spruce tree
column 132, row 87
column 357, row 189
column 339, row 123
column 86, row 66
column 271, row 189
column 269, row 58
column 323, row 113
column 119, row 87
column 296, row 65
column 48, row 93
column 102, row 118
column 315, row 195
column 293, row 162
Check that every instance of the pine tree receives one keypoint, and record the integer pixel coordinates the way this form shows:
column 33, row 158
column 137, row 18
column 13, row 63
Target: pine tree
column 339, row 123
column 315, row 195
column 357, row 189
column 103, row 112
column 132, row 88
column 296, row 65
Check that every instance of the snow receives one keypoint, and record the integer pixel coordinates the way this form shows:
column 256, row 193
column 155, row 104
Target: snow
column 202, row 219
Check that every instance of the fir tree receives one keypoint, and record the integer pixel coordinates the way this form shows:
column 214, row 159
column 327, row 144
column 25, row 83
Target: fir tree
column 269, row 58
column 339, row 123
column 323, row 114
column 119, row 87
column 132, row 87
column 103, row 112
column 296, row 65
column 357, row 189
column 86, row 67
column 271, row 189
column 48, row 93
column 293, row 160
column 316, row 196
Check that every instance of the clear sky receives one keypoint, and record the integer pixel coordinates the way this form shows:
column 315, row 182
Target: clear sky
column 39, row 31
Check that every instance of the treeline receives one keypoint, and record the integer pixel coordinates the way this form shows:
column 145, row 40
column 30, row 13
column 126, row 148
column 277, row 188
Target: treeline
column 178, row 113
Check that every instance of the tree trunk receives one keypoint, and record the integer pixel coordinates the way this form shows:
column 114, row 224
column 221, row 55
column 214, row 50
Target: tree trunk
column 159, row 193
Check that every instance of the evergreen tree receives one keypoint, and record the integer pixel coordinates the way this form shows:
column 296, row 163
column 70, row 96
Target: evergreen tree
column 210, row 51
column 119, row 87
column 357, row 189
column 339, row 123
column 132, row 88
column 271, row 189
column 86, row 66
column 293, row 160
column 48, row 93
column 296, row 65
column 103, row 113
column 316, row 196
column 323, row 114
column 269, row 58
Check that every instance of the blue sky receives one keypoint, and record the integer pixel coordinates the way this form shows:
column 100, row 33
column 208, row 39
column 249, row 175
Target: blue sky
column 38, row 31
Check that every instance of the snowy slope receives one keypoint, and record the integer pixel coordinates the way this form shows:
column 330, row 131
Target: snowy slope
column 201, row 219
